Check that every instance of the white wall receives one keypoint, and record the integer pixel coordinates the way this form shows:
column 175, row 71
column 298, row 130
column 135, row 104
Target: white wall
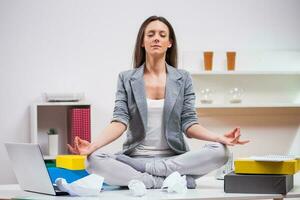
column 74, row 46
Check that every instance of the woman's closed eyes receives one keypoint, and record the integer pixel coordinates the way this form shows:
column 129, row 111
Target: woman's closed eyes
column 161, row 34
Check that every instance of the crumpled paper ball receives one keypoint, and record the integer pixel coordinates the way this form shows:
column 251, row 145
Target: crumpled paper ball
column 137, row 188
column 175, row 183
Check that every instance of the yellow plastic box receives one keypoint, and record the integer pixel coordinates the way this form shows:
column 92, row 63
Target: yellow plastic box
column 248, row 166
column 72, row 162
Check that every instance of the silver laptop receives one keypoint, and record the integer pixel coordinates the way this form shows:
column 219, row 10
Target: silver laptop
column 30, row 169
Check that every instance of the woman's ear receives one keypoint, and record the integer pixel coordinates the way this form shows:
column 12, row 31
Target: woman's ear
column 142, row 44
column 170, row 44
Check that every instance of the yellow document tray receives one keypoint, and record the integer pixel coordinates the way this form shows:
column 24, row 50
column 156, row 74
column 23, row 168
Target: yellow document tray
column 249, row 166
column 72, row 162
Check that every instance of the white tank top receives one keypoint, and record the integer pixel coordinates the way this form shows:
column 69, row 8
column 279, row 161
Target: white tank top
column 155, row 143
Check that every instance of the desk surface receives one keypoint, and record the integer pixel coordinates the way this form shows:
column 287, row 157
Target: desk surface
column 208, row 188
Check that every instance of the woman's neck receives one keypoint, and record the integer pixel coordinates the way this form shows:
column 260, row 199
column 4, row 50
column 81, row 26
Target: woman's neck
column 155, row 66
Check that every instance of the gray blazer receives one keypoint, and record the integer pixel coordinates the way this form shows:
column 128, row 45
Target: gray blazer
column 178, row 114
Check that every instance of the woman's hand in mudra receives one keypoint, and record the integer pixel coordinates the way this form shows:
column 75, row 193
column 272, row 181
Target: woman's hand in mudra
column 232, row 138
column 81, row 147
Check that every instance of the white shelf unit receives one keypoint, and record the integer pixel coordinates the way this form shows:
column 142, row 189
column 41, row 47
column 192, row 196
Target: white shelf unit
column 47, row 115
column 269, row 114
column 262, row 89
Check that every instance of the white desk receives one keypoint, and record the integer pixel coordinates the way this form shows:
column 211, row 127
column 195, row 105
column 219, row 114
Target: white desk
column 208, row 189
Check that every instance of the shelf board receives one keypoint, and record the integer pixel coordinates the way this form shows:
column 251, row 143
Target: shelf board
column 199, row 73
column 78, row 103
column 47, row 157
column 241, row 105
column 248, row 109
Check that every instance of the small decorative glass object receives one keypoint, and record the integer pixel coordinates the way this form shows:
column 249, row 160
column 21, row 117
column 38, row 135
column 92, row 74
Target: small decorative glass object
column 230, row 60
column 225, row 169
column 235, row 95
column 206, row 96
column 208, row 60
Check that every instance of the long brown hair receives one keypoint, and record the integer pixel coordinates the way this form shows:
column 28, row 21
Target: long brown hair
column 139, row 51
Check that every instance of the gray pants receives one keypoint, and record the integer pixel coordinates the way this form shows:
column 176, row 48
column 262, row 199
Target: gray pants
column 196, row 163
